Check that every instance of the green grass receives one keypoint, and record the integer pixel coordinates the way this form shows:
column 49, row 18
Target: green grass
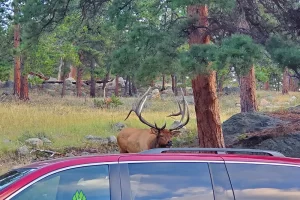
column 67, row 121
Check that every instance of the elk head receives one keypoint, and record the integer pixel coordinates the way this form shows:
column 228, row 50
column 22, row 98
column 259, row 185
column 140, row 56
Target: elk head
column 163, row 135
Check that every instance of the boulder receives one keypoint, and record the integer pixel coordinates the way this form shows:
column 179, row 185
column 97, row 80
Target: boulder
column 242, row 123
column 34, row 142
column 118, row 126
column 23, row 151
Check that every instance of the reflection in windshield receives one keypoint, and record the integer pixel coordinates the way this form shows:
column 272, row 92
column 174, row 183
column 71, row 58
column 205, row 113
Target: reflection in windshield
column 12, row 176
column 265, row 182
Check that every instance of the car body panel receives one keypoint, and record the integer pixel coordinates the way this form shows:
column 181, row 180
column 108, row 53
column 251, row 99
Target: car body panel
column 120, row 166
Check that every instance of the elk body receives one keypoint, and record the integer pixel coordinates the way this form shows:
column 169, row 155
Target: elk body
column 134, row 140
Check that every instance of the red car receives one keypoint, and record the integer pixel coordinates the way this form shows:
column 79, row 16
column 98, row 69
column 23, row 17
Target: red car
column 159, row 174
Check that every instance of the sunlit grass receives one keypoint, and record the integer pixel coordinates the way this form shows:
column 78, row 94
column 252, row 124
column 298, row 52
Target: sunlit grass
column 67, row 121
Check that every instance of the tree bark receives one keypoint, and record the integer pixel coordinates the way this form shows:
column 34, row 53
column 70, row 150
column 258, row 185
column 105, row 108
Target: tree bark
column 163, row 87
column 17, row 61
column 126, row 86
column 248, row 99
column 266, row 86
column 173, row 83
column 24, row 90
column 117, row 86
column 184, row 85
column 79, row 81
column 64, row 74
column 129, row 87
column 134, row 90
column 204, row 89
column 93, row 81
column 207, row 111
column 285, row 81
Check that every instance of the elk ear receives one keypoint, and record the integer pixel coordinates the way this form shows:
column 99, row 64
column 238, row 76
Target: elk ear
column 176, row 133
column 154, row 131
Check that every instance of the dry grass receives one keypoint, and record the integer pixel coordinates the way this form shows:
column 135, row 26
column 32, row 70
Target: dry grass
column 67, row 121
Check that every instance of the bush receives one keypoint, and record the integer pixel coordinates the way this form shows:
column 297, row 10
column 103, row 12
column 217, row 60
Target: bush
column 110, row 102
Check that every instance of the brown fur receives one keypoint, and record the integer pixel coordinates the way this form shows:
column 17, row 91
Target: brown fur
column 133, row 140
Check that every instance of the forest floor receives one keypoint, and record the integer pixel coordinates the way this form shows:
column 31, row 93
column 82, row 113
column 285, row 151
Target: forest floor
column 66, row 122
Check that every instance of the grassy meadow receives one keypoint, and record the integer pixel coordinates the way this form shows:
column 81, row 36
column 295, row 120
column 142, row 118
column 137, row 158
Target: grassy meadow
column 67, row 121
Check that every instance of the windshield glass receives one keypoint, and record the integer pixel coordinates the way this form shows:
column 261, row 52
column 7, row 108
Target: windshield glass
column 12, row 176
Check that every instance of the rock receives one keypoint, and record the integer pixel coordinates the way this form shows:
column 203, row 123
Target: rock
column 155, row 94
column 168, row 92
column 112, row 139
column 189, row 99
column 23, row 151
column 97, row 139
column 287, row 144
column 295, row 109
column 85, row 153
column 6, row 141
column 293, row 98
column 246, row 122
column 8, row 84
column 69, row 155
column 231, row 90
column 46, row 141
column 34, row 142
column 264, row 103
column 118, row 126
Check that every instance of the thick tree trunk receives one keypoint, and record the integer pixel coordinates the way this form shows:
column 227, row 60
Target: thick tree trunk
column 24, row 90
column 126, row 86
column 93, row 81
column 117, row 86
column 204, row 89
column 17, row 62
column 163, row 87
column 207, row 111
column 24, row 94
column 79, row 81
column 248, row 99
column 285, row 81
column 266, row 86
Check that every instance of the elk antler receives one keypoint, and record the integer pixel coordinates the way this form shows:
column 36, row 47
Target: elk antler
column 138, row 111
column 182, row 112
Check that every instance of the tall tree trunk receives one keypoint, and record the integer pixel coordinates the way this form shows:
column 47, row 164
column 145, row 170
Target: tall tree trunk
column 204, row 89
column 163, row 87
column 17, row 61
column 129, row 86
column 64, row 75
column 59, row 76
column 175, row 85
column 126, row 86
column 73, row 72
column 117, row 86
column 93, row 81
column 79, row 81
column 220, row 84
column 173, row 82
column 24, row 90
column 248, row 99
column 184, row 85
column 267, row 86
column 133, row 86
column 106, row 79
column 285, row 81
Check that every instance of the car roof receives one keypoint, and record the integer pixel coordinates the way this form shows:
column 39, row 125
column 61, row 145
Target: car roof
column 101, row 158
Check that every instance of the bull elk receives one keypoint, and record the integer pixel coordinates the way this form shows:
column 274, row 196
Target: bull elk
column 134, row 140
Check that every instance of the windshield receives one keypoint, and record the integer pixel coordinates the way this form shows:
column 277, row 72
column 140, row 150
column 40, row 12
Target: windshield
column 12, row 176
